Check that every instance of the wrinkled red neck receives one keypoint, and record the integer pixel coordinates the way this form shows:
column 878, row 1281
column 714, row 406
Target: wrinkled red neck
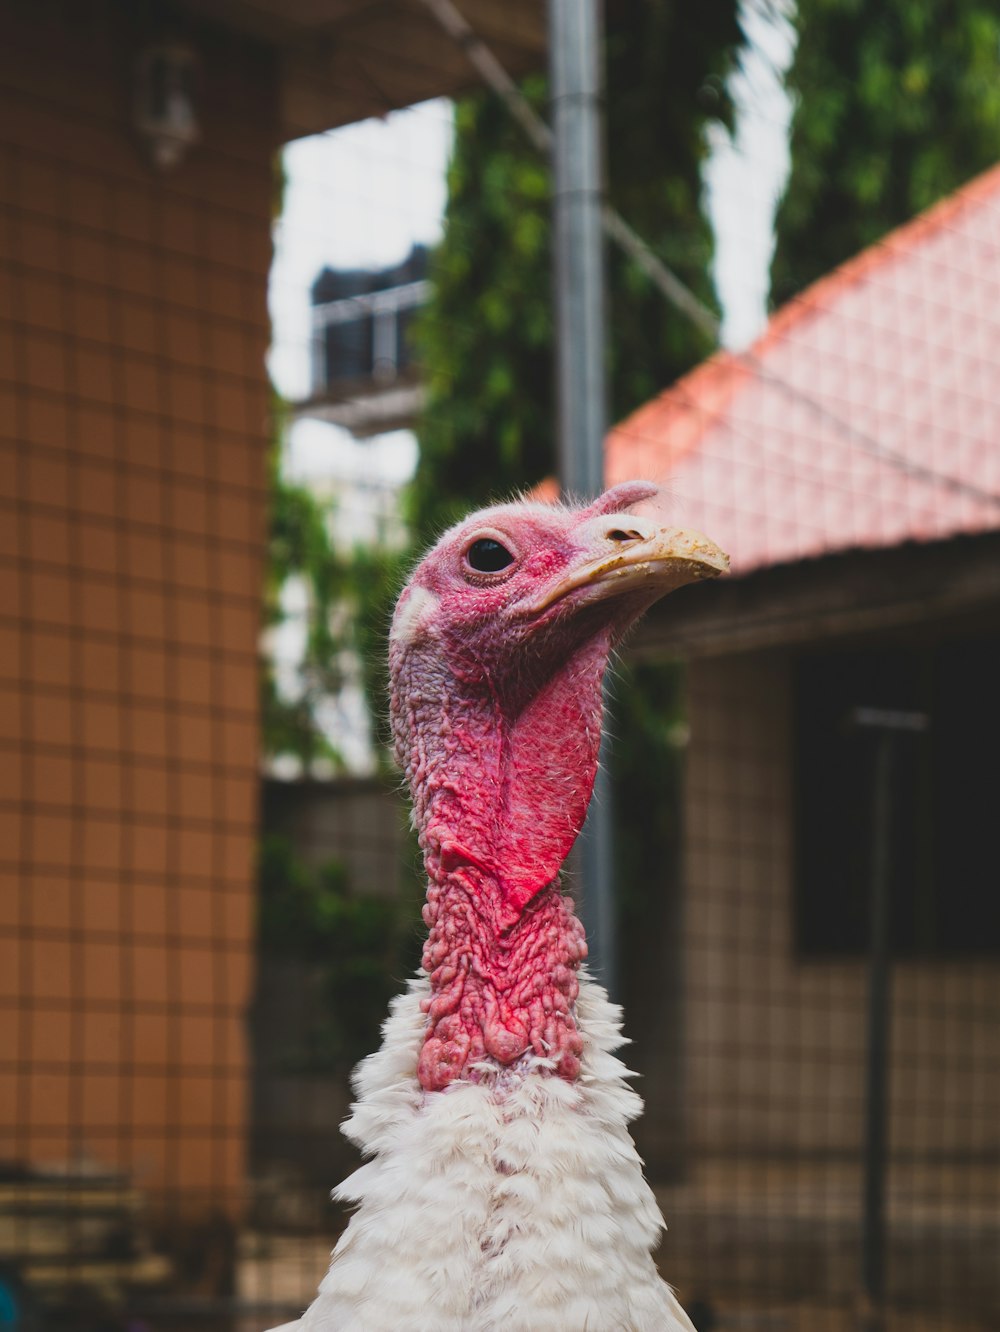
column 498, row 996
column 504, row 786
column 500, row 793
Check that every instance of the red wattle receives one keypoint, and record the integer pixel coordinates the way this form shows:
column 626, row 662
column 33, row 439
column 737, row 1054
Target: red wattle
column 498, row 994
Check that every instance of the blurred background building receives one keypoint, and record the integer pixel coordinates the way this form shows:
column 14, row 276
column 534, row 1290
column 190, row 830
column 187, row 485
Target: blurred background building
column 365, row 372
column 848, row 458
column 239, row 385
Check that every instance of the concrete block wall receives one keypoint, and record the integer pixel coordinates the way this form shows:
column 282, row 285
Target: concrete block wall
column 134, row 410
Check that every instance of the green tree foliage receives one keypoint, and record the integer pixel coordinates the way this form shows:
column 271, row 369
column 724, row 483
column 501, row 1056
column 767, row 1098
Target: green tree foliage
column 486, row 337
column 377, row 576
column 649, row 732
column 353, row 951
column 898, row 105
column 358, row 948
column 349, row 600
column 299, row 546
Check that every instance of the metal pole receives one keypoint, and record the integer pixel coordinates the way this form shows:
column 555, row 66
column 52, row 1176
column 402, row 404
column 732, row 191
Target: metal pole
column 578, row 247
column 887, row 725
column 574, row 43
column 879, row 995
column 616, row 228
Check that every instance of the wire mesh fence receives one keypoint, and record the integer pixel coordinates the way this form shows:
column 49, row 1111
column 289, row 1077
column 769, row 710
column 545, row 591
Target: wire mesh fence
column 200, row 929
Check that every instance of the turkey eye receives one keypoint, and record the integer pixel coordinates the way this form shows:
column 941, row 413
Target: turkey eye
column 488, row 556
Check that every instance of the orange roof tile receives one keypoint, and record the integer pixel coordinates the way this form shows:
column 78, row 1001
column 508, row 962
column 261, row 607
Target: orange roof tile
column 868, row 413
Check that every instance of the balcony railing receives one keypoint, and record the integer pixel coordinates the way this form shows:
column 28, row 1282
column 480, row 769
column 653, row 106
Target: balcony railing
column 376, row 314
column 363, row 374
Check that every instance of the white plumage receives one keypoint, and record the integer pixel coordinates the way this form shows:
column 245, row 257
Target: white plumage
column 514, row 1203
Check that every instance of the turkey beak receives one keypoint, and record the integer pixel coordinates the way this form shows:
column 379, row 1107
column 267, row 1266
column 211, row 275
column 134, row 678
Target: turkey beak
column 625, row 553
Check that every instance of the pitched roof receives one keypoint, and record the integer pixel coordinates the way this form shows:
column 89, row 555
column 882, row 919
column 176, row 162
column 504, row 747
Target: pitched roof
column 867, row 414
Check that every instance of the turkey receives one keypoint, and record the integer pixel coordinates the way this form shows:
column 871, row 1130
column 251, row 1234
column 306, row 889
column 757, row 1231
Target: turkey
column 502, row 1189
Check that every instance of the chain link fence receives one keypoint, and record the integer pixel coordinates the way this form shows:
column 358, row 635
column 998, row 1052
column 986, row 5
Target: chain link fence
column 200, row 929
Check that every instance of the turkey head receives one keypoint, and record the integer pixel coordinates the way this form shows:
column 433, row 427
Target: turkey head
column 498, row 650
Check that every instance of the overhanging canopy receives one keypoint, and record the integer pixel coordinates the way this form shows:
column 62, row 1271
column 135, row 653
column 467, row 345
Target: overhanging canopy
column 345, row 60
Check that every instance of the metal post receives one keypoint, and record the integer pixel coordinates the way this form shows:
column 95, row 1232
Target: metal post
column 578, row 247
column 887, row 726
column 877, row 1078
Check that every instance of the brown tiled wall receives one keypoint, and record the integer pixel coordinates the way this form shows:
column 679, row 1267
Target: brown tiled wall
column 133, row 428
column 775, row 1045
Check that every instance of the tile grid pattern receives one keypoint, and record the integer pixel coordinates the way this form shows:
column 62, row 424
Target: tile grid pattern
column 133, row 433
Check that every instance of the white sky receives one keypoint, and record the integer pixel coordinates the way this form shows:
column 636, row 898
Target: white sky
column 744, row 177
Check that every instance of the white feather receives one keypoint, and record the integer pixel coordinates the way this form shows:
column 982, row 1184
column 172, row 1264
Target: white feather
column 517, row 1202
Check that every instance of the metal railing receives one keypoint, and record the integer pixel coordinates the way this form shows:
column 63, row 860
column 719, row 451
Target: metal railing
column 383, row 308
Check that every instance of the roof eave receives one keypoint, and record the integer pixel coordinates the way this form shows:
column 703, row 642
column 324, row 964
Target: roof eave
column 845, row 594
